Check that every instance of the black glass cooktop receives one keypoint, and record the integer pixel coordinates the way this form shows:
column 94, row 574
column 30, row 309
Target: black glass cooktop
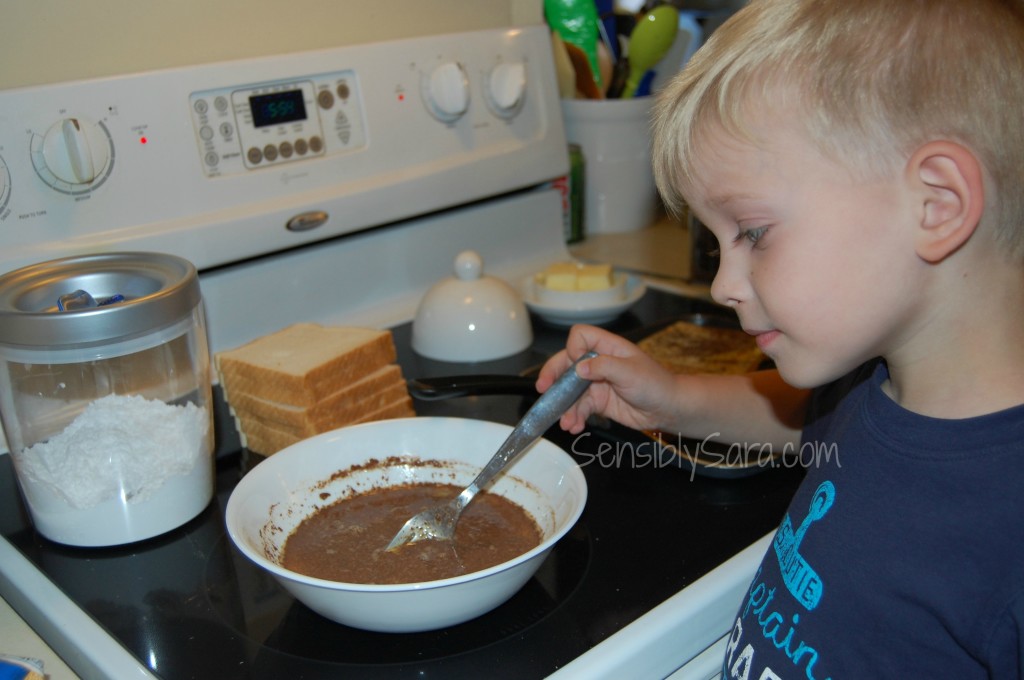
column 188, row 605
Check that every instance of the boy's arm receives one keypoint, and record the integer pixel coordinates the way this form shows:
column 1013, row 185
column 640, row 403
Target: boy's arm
column 753, row 408
column 631, row 388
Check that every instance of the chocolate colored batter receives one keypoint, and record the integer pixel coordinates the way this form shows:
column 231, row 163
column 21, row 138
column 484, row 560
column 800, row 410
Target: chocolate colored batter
column 346, row 541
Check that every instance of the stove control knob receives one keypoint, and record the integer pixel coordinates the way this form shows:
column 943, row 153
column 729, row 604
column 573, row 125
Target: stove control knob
column 447, row 92
column 75, row 151
column 5, row 185
column 506, row 87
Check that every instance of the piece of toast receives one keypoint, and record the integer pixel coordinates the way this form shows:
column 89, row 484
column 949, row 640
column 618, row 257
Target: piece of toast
column 686, row 347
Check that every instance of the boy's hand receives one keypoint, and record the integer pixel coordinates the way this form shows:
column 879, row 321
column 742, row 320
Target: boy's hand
column 627, row 385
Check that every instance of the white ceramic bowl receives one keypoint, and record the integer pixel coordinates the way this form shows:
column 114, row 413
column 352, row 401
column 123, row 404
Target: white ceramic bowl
column 596, row 312
column 280, row 492
column 471, row 317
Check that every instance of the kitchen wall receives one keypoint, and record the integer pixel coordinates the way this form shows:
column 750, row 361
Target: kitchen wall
column 48, row 41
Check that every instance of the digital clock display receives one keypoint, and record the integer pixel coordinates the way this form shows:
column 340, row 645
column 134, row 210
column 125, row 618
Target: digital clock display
column 277, row 108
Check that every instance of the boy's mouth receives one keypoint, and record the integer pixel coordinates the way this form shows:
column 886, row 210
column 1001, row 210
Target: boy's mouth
column 764, row 338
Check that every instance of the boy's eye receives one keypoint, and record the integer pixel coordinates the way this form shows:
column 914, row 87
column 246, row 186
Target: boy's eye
column 752, row 235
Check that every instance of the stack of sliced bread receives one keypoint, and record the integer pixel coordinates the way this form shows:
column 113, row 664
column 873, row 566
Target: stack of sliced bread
column 306, row 379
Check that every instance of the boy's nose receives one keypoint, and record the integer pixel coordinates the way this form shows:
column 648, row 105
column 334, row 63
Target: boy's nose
column 729, row 286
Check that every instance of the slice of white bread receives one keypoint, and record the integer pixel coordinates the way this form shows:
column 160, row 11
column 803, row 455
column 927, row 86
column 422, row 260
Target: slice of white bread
column 266, row 440
column 339, row 405
column 308, row 422
column 302, row 364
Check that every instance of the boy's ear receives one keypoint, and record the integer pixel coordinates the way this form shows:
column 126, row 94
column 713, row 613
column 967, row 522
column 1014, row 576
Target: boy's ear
column 951, row 183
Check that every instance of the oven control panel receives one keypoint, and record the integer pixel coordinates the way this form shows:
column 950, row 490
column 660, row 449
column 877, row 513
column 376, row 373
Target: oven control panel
column 258, row 126
column 227, row 161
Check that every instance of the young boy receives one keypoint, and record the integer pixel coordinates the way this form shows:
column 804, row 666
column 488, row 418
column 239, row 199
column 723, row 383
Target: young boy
column 861, row 163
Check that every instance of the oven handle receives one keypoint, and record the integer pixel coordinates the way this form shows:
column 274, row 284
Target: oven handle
column 447, row 387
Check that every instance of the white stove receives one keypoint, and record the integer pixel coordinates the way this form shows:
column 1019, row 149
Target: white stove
column 333, row 186
column 228, row 163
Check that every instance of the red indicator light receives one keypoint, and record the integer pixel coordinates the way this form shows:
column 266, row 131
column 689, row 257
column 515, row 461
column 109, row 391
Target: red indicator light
column 142, row 140
column 401, row 97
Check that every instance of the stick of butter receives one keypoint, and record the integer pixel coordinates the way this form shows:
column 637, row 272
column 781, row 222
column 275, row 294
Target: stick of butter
column 571, row 276
column 560, row 276
column 594, row 277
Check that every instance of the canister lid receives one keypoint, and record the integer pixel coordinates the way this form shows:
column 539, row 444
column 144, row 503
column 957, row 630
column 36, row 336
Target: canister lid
column 157, row 290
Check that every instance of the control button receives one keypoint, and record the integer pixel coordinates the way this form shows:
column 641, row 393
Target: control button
column 301, row 147
column 325, row 99
column 227, row 130
column 206, row 133
column 506, row 87
column 221, row 103
column 76, row 151
column 316, row 145
column 447, row 92
column 255, row 155
column 201, row 106
column 212, row 158
column 270, row 152
column 343, row 91
column 343, row 127
column 286, row 149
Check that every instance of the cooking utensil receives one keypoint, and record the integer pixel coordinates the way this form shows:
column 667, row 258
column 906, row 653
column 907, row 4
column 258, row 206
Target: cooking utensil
column 649, row 42
column 617, row 83
column 585, row 82
column 564, row 71
column 688, row 39
column 605, row 64
column 577, row 22
column 439, row 522
column 606, row 27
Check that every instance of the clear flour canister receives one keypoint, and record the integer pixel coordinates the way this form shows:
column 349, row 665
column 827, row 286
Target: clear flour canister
column 105, row 395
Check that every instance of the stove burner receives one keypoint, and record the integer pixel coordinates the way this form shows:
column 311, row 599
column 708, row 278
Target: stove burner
column 269, row 617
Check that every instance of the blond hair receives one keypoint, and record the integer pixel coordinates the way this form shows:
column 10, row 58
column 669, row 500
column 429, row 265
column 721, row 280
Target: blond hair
column 870, row 80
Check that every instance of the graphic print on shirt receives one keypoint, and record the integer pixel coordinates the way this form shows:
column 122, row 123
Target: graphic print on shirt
column 770, row 618
column 800, row 577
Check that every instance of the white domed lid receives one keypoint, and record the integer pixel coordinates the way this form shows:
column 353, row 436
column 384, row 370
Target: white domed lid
column 471, row 317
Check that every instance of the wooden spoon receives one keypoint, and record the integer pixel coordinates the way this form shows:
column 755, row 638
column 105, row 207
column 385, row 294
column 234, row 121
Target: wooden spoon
column 564, row 71
column 584, row 76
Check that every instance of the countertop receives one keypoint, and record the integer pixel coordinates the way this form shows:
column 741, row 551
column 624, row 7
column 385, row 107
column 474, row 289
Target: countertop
column 661, row 253
column 18, row 639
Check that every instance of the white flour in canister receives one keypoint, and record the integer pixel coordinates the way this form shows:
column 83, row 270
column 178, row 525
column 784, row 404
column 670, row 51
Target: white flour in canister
column 126, row 468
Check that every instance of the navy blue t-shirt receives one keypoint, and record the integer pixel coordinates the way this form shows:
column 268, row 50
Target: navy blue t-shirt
column 902, row 553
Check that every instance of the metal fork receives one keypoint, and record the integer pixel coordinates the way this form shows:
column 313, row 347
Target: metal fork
column 439, row 521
